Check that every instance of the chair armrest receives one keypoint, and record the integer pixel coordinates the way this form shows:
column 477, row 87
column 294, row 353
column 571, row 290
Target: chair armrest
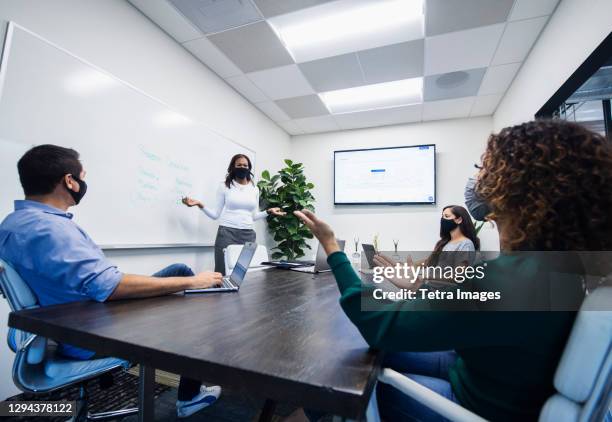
column 23, row 346
column 427, row 397
column 34, row 347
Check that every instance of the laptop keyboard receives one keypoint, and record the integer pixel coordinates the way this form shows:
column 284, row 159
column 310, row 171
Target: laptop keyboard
column 227, row 283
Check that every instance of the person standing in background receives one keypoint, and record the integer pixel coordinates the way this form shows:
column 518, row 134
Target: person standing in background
column 236, row 209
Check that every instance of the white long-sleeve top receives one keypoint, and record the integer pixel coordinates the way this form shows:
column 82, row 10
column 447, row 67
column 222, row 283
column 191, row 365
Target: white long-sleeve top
column 236, row 207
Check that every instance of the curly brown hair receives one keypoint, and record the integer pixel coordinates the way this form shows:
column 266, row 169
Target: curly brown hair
column 550, row 182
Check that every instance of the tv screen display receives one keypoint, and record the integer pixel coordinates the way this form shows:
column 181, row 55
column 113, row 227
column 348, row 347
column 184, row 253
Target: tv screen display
column 396, row 175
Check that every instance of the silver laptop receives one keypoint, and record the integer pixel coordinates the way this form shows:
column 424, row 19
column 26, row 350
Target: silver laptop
column 232, row 282
column 321, row 264
column 369, row 252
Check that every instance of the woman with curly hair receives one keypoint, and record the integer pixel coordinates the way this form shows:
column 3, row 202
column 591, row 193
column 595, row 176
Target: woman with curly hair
column 548, row 186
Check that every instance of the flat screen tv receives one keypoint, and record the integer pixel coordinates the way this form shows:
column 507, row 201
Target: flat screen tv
column 390, row 176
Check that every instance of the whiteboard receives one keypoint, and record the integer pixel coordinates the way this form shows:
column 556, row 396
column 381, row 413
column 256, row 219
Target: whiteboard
column 140, row 156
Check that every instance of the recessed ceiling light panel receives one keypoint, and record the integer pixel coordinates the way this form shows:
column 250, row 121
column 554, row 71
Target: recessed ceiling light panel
column 345, row 26
column 377, row 96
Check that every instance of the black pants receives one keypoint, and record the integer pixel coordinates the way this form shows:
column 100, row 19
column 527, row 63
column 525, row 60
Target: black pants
column 188, row 387
column 229, row 236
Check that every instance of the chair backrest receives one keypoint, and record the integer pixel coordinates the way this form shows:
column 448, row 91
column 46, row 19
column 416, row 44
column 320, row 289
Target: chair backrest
column 232, row 252
column 584, row 376
column 17, row 292
column 19, row 296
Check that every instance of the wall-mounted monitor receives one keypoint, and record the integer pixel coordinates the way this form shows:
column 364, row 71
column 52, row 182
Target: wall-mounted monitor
column 390, row 176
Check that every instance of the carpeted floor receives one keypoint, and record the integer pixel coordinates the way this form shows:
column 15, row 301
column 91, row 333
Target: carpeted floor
column 123, row 393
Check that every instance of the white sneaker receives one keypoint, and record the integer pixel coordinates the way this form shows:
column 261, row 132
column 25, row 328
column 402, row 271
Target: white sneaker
column 206, row 397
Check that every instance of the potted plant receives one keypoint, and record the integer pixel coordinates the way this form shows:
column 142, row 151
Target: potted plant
column 290, row 191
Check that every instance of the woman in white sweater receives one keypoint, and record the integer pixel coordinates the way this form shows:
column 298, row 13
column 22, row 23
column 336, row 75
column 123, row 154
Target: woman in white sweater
column 236, row 209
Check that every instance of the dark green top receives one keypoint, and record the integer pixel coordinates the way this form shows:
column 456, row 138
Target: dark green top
column 506, row 359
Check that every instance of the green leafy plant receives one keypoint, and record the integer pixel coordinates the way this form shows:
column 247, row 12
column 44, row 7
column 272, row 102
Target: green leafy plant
column 290, row 191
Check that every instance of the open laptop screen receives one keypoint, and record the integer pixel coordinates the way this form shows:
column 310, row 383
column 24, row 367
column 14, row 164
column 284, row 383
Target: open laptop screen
column 243, row 263
column 369, row 253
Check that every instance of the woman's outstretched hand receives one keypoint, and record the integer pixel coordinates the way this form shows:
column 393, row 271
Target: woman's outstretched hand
column 276, row 211
column 405, row 283
column 190, row 202
column 320, row 229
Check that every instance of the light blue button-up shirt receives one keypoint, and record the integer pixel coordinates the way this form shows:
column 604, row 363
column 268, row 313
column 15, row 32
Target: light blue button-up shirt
column 56, row 258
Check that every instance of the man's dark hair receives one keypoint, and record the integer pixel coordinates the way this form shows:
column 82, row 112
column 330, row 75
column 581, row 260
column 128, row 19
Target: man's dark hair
column 44, row 166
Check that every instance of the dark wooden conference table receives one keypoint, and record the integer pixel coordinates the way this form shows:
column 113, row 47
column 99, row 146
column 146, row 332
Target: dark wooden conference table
column 283, row 337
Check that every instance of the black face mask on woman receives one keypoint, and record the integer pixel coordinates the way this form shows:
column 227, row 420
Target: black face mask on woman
column 77, row 196
column 446, row 226
column 478, row 208
column 241, row 172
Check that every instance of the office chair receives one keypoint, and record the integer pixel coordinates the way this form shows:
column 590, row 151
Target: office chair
column 37, row 367
column 232, row 252
column 583, row 379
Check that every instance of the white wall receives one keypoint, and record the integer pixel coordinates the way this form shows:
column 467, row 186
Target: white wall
column 459, row 144
column 115, row 36
column 572, row 33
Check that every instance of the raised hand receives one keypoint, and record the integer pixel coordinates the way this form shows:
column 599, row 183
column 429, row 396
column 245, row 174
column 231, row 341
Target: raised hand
column 276, row 211
column 384, row 261
column 405, row 283
column 320, row 229
column 190, row 202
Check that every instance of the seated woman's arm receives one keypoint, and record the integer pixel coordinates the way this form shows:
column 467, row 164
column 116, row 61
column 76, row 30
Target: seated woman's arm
column 407, row 325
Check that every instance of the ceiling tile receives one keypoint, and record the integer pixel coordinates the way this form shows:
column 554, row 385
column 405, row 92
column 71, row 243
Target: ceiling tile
column 281, row 82
column 498, row 78
column 393, row 62
column 273, row 111
column 291, row 127
column 448, row 109
column 252, row 47
column 168, row 18
column 463, row 83
column 247, row 88
column 210, row 55
column 461, row 50
column 442, row 16
column 271, row 8
column 518, row 40
column 525, row 9
column 485, row 105
column 212, row 16
column 317, row 124
column 300, row 107
column 380, row 117
column 333, row 73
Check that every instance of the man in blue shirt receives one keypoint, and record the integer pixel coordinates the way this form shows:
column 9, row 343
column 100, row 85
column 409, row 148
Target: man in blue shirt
column 61, row 263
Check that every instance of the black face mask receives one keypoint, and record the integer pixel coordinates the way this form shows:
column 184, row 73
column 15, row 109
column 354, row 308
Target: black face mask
column 77, row 196
column 478, row 208
column 446, row 226
column 241, row 172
